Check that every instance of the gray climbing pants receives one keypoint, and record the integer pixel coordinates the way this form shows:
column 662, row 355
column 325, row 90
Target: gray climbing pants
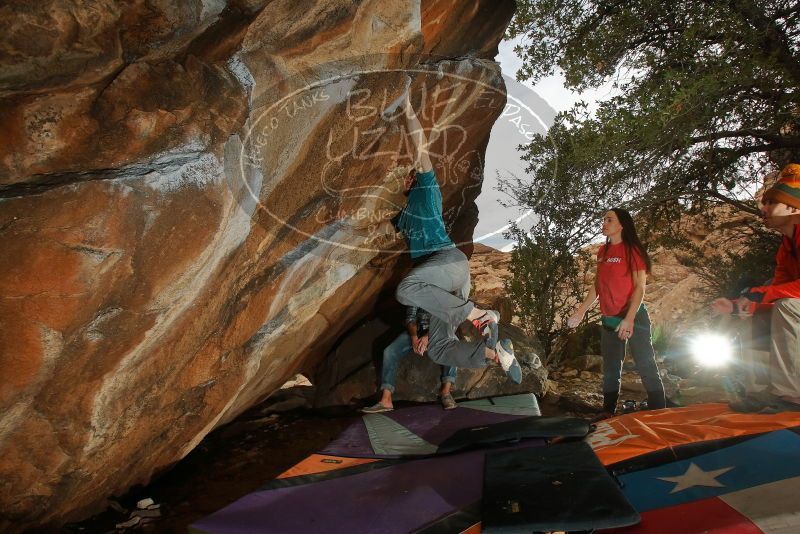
column 770, row 348
column 440, row 285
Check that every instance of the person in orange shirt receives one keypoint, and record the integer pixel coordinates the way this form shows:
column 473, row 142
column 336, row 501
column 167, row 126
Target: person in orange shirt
column 773, row 386
column 620, row 279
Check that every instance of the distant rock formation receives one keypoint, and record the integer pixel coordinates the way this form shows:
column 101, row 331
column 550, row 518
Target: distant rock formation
column 188, row 200
column 672, row 287
column 489, row 269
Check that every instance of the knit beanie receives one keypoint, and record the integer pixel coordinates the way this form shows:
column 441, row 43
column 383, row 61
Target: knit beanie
column 787, row 188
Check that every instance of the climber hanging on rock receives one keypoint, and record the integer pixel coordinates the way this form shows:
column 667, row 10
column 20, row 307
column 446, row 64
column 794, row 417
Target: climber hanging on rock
column 439, row 282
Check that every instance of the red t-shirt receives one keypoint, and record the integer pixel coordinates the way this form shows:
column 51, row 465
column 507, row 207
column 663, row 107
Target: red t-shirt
column 614, row 279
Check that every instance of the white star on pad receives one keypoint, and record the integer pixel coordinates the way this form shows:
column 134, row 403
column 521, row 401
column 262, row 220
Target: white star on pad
column 695, row 476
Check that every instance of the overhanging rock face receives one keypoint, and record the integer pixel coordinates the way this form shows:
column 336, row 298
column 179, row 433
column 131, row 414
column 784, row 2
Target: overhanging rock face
column 190, row 204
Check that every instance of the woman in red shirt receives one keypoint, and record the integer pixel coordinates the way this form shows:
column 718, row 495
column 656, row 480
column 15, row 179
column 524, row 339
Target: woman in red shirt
column 622, row 267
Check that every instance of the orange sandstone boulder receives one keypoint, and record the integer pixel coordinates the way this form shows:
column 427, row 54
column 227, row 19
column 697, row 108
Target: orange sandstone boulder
column 191, row 199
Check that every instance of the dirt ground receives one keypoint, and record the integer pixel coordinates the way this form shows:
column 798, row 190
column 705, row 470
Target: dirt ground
column 231, row 462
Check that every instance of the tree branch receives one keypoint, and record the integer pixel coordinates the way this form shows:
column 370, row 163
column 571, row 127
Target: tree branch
column 771, row 38
column 784, row 141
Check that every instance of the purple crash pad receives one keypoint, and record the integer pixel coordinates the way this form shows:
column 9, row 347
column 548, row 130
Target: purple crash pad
column 429, row 422
column 401, row 498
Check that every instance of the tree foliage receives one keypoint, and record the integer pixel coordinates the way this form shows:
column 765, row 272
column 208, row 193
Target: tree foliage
column 750, row 261
column 547, row 278
column 705, row 102
column 707, row 97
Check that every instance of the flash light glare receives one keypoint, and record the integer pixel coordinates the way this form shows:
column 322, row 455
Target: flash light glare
column 712, row 350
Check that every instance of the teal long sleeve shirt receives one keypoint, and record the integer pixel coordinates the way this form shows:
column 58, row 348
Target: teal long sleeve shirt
column 421, row 220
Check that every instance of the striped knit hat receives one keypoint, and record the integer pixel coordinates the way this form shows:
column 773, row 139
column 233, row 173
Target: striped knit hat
column 787, row 188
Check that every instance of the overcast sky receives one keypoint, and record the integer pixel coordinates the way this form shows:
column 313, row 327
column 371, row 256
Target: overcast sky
column 529, row 108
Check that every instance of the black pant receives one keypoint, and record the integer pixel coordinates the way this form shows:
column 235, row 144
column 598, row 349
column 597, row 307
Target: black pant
column 613, row 350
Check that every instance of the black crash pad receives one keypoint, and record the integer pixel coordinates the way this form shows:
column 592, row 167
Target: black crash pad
column 529, row 427
column 561, row 487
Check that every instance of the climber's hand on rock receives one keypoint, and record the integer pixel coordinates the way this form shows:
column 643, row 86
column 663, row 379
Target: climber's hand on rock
column 402, row 103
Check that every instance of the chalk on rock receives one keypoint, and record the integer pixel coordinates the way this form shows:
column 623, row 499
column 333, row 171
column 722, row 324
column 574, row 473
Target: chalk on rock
column 399, row 101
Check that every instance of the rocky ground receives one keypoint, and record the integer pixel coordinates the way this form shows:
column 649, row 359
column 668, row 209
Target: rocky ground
column 575, row 389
